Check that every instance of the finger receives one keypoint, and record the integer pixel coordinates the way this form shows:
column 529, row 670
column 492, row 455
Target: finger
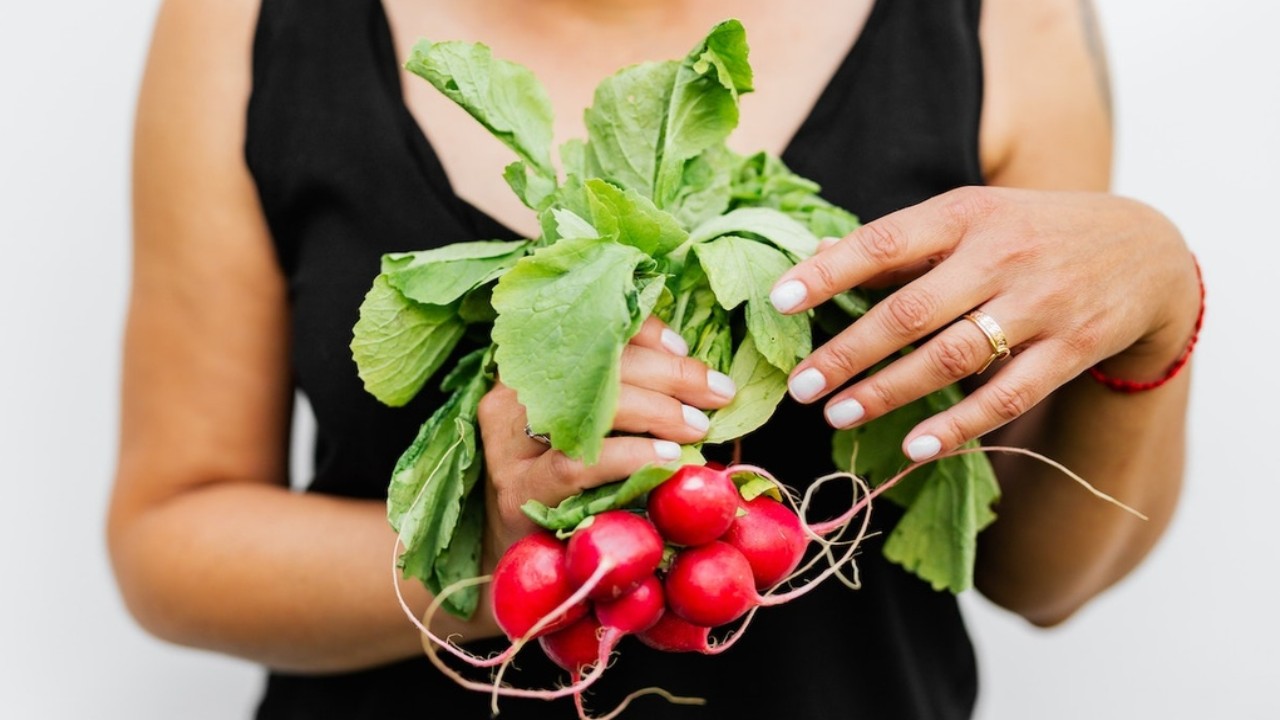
column 555, row 476
column 653, row 413
column 894, row 241
column 960, row 350
column 903, row 275
column 1019, row 386
column 686, row 379
column 655, row 334
column 912, row 312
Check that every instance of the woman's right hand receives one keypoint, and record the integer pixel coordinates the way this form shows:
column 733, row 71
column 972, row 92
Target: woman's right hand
column 659, row 407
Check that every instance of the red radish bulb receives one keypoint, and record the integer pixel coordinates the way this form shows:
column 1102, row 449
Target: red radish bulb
column 671, row 634
column 628, row 544
column 529, row 582
column 694, row 506
column 710, row 585
column 636, row 611
column 771, row 537
column 574, row 646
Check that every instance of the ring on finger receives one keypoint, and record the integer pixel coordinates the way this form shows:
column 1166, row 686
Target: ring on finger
column 543, row 438
column 995, row 336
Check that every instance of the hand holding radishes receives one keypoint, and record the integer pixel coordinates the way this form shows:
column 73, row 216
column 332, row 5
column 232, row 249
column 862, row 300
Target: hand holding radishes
column 663, row 395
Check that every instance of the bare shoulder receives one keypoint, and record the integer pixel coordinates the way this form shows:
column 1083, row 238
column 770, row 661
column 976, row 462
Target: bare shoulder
column 1047, row 110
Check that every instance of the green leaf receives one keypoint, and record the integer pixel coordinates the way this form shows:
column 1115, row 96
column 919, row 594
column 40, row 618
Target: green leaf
column 534, row 190
column 948, row 501
column 937, row 538
column 435, row 474
column 444, row 274
column 461, row 560
column 505, row 97
column 570, row 225
column 398, row 344
column 632, row 219
column 743, row 270
column 615, row 496
column 760, row 389
column 766, row 223
column 577, row 159
column 625, row 124
column 707, row 188
column 752, row 486
column 704, row 104
column 564, row 314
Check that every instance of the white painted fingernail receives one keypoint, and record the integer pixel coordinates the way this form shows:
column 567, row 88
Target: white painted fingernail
column 788, row 295
column 721, row 384
column 845, row 413
column 807, row 385
column 666, row 449
column 923, row 448
column 695, row 418
column 674, row 344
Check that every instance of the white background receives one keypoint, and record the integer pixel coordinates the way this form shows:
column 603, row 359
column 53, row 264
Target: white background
column 1192, row 634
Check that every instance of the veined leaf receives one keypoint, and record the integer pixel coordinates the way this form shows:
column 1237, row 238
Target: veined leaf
column 625, row 124
column 398, row 344
column 760, row 389
column 435, row 474
column 534, row 190
column 564, row 314
column 505, row 97
column 444, row 274
column 773, row 225
column 743, row 270
column 632, row 219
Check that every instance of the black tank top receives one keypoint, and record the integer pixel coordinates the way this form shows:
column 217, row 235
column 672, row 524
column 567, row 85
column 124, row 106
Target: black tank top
column 344, row 175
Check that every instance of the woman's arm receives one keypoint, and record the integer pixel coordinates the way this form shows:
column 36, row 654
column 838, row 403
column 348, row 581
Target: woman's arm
column 1054, row 547
column 1075, row 278
column 210, row 547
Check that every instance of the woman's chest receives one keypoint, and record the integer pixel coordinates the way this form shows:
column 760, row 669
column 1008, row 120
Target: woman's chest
column 795, row 51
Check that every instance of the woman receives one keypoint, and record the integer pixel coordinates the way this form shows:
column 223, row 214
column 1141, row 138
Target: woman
column 276, row 159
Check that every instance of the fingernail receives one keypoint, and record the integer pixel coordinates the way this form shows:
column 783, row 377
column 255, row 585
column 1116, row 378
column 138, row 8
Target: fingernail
column 721, row 384
column 807, row 385
column 666, row 449
column 788, row 295
column 674, row 344
column 695, row 418
column 923, row 448
column 845, row 413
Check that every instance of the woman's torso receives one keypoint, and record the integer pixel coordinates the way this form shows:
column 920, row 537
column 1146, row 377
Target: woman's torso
column 345, row 174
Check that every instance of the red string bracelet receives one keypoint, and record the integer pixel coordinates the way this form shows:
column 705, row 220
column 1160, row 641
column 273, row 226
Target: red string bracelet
column 1132, row 386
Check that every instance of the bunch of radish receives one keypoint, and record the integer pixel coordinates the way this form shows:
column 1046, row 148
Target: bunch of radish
column 700, row 555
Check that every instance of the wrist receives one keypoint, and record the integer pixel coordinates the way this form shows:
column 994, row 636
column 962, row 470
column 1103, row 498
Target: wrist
column 1161, row 353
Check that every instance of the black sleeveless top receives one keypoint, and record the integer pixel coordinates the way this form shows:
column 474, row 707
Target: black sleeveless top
column 344, row 175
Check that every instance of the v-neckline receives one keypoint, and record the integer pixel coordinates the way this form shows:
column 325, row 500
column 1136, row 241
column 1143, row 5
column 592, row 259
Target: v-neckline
column 828, row 99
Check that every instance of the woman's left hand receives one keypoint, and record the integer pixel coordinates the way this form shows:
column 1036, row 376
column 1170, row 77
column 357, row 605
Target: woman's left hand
column 1072, row 279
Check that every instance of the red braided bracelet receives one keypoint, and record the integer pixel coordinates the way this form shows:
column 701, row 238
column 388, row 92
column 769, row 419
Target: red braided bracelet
column 1132, row 386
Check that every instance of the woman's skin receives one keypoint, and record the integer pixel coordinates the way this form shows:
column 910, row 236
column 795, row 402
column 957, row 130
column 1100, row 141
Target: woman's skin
column 210, row 547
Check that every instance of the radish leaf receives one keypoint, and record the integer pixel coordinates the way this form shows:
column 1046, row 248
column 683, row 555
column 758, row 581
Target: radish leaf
column 760, row 389
column 442, row 275
column 398, row 344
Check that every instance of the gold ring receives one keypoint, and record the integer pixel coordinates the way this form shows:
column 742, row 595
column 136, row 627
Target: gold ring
column 995, row 336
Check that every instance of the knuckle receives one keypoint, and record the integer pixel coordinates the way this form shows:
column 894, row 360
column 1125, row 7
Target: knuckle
column 1007, row 402
column 564, row 469
column 689, row 373
column 1084, row 341
column 884, row 394
column 908, row 312
column 966, row 205
column 882, row 242
column 956, row 431
column 838, row 365
column 827, row 275
column 953, row 357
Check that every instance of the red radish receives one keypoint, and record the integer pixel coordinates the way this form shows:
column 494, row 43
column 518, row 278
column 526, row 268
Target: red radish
column 636, row 611
column 694, row 506
column 529, row 582
column 626, row 545
column 671, row 634
column 575, row 646
column 771, row 537
column 711, row 585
